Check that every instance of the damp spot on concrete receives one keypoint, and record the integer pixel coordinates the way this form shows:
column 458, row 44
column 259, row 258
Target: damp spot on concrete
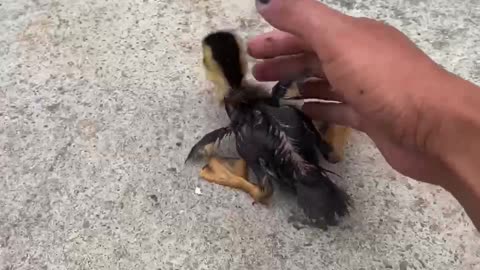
column 347, row 4
column 53, row 108
column 415, row 2
column 86, row 224
column 440, row 44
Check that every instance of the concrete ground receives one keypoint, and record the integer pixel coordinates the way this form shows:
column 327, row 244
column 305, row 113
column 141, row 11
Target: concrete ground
column 100, row 102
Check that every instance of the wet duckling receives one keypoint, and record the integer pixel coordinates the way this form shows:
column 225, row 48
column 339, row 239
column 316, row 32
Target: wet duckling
column 276, row 141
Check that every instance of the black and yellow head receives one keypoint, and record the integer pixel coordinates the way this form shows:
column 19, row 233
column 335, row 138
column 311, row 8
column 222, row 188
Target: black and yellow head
column 224, row 61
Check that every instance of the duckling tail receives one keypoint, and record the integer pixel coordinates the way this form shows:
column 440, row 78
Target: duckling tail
column 321, row 199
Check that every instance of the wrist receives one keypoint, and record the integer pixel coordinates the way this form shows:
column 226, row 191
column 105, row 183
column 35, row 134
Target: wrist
column 467, row 193
column 457, row 137
column 457, row 141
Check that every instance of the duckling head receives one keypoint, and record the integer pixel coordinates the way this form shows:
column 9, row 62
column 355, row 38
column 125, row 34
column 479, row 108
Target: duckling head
column 224, row 61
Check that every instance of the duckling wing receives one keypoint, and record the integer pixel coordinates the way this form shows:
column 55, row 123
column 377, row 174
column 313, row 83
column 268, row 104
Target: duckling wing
column 201, row 147
column 300, row 131
column 277, row 140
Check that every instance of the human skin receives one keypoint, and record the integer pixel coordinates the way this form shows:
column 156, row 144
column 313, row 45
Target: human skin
column 424, row 120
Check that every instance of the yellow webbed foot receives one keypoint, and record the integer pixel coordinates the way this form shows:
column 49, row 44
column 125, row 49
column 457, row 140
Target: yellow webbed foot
column 337, row 136
column 234, row 175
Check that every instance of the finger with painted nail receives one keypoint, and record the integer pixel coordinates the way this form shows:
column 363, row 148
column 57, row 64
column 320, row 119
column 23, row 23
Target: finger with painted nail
column 288, row 67
column 310, row 21
column 276, row 43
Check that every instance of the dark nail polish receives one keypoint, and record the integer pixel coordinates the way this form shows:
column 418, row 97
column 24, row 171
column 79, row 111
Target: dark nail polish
column 264, row 1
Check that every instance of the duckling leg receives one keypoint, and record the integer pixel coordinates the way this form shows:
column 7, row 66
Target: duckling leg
column 232, row 175
column 337, row 136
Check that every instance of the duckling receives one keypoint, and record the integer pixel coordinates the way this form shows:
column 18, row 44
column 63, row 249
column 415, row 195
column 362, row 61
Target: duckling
column 276, row 141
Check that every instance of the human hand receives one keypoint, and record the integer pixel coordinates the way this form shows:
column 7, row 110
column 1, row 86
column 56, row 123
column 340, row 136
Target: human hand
column 388, row 88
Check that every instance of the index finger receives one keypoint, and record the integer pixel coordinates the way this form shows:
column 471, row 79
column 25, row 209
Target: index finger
column 276, row 43
column 310, row 20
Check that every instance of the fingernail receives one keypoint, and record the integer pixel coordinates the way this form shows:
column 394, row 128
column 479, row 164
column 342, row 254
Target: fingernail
column 260, row 4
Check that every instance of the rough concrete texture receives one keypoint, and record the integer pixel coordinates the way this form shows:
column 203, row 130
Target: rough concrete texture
column 100, row 102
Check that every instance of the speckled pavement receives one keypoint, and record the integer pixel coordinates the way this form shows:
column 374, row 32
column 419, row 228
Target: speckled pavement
column 100, row 102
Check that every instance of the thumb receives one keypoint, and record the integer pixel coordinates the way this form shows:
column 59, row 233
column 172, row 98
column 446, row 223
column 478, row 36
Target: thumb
column 309, row 20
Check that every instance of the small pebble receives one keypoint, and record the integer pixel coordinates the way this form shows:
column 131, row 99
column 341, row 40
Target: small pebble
column 153, row 197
